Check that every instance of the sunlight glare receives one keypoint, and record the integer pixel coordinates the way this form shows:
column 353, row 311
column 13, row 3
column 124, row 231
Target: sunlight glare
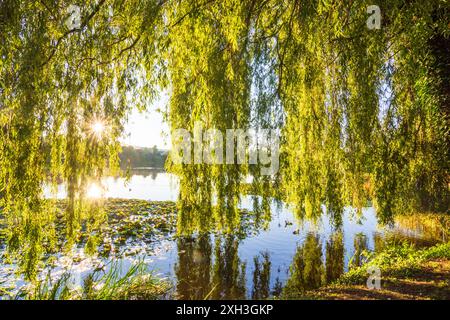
column 98, row 128
column 94, row 191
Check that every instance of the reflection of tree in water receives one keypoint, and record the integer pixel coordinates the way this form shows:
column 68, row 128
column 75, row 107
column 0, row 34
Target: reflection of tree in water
column 420, row 229
column 153, row 173
column 277, row 289
column 262, row 214
column 228, row 270
column 378, row 241
column 334, row 257
column 360, row 244
column 308, row 270
column 193, row 267
column 211, row 268
column 261, row 277
column 199, row 277
column 432, row 227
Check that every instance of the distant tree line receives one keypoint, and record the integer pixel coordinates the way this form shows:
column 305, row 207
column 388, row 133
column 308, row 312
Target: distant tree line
column 137, row 157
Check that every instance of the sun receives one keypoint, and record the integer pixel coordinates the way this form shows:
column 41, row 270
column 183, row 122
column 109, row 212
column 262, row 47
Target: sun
column 98, row 128
column 94, row 191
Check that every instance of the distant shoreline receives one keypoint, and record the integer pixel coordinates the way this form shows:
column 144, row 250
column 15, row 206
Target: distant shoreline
column 138, row 158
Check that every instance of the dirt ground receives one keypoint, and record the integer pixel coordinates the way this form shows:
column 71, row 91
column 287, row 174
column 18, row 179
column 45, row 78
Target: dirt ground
column 431, row 282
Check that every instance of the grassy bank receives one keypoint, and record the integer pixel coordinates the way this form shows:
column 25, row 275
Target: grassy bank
column 135, row 284
column 406, row 273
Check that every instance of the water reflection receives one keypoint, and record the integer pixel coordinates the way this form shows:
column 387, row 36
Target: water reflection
column 261, row 277
column 360, row 244
column 335, row 253
column 147, row 172
column 270, row 254
column 210, row 268
column 194, row 267
column 145, row 184
column 307, row 270
column 223, row 267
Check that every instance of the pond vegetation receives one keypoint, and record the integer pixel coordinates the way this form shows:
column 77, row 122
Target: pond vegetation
column 210, row 265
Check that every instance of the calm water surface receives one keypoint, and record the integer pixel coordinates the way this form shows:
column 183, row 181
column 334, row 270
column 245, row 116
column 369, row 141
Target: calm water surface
column 285, row 254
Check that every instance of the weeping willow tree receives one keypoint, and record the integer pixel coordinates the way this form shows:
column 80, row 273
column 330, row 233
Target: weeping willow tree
column 65, row 92
column 365, row 118
column 362, row 113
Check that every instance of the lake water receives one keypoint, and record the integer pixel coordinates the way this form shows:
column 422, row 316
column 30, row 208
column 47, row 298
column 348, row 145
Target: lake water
column 286, row 254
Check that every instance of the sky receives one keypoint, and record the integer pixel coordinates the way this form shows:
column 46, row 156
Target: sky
column 146, row 129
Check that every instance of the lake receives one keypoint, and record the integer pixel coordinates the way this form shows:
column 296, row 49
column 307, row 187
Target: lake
column 277, row 255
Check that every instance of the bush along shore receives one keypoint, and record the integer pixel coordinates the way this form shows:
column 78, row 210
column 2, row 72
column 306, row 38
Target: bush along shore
column 405, row 273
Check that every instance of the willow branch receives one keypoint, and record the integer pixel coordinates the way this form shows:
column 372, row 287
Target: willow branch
column 68, row 32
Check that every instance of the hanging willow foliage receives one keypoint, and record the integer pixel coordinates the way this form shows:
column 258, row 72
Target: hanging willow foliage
column 56, row 85
column 361, row 111
column 363, row 114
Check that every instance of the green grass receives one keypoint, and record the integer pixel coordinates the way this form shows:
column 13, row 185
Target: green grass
column 437, row 252
column 136, row 284
column 395, row 260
